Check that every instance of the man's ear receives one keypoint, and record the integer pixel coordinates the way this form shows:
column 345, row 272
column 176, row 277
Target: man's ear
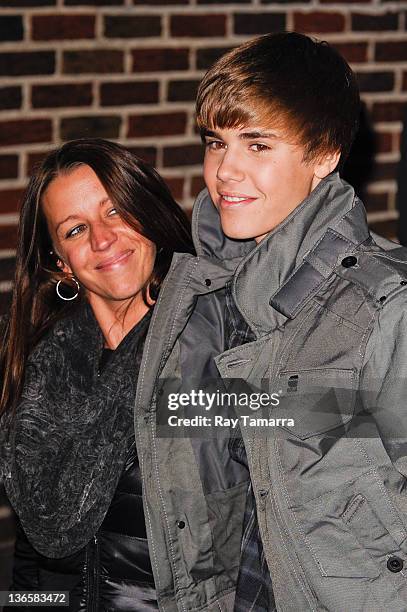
column 326, row 164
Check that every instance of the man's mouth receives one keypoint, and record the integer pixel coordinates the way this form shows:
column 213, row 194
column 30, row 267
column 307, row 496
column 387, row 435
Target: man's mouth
column 228, row 200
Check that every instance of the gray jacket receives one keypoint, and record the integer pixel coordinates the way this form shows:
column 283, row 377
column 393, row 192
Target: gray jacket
column 328, row 308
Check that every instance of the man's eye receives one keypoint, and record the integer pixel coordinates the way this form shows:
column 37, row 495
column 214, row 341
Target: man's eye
column 214, row 145
column 258, row 147
column 75, row 231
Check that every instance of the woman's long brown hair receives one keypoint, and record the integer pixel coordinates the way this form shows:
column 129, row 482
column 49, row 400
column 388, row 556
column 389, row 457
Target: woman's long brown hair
column 142, row 199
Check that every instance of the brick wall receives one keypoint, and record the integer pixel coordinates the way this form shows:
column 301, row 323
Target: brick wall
column 128, row 70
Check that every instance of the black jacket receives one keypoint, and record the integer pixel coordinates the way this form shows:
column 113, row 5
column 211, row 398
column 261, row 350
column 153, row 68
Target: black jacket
column 112, row 573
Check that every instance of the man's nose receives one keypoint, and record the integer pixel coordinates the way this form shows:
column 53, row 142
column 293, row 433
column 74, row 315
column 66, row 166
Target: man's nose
column 231, row 167
column 102, row 236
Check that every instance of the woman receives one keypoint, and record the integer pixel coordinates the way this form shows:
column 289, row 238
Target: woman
column 97, row 233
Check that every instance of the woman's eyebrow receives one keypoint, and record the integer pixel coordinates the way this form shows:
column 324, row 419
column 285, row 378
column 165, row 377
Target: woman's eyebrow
column 102, row 202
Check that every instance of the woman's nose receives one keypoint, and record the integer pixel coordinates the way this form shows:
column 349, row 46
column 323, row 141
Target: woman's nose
column 102, row 236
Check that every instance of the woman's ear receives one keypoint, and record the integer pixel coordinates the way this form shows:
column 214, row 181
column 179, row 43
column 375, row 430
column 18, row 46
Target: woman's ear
column 61, row 264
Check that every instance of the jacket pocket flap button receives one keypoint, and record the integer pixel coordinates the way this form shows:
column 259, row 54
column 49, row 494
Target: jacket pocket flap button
column 395, row 564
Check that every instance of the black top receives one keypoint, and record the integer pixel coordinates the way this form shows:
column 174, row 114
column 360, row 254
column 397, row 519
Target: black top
column 84, row 471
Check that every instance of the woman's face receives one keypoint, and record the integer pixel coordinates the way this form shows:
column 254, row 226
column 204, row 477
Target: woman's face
column 111, row 260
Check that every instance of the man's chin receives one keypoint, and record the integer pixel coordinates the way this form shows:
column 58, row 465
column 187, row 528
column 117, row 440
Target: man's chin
column 237, row 233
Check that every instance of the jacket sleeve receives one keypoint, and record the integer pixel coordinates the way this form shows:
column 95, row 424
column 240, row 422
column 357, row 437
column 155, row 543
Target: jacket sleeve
column 26, row 564
column 384, row 379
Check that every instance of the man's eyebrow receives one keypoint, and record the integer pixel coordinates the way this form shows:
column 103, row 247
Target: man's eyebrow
column 244, row 135
column 206, row 132
column 256, row 134
column 72, row 217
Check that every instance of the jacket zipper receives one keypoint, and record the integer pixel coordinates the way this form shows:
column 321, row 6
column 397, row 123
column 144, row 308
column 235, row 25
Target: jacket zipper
column 92, row 575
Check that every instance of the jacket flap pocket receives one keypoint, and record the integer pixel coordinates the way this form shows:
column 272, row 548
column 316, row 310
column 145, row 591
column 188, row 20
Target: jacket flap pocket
column 352, row 530
column 317, row 400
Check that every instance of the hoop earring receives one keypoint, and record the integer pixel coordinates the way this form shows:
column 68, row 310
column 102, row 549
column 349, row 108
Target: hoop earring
column 73, row 297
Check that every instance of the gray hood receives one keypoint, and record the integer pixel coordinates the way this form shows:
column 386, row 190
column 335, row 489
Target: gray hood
column 263, row 268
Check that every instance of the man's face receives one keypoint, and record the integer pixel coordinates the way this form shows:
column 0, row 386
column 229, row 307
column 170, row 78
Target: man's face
column 255, row 178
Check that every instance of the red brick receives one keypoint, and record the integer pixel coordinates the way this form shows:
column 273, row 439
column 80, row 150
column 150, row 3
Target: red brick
column 163, row 124
column 156, row 60
column 159, row 2
column 27, row 3
column 139, row 26
column 10, row 98
column 383, row 142
column 33, row 160
column 129, row 92
column 183, row 155
column 8, row 166
column 391, row 51
column 224, row 2
column 7, row 268
column 205, row 26
column 258, row 23
column 147, row 154
column 11, row 28
column 99, row 61
column 345, row 1
column 10, row 200
column 404, row 85
column 208, row 56
column 8, row 233
column 197, row 184
column 375, row 81
column 285, row 1
column 25, row 131
column 5, row 302
column 63, row 27
column 384, row 171
column 355, row 52
column 176, row 186
column 367, row 22
column 24, row 63
column 388, row 228
column 90, row 127
column 319, row 21
column 182, row 91
column 94, row 2
column 61, row 95
column 376, row 201
column 388, row 111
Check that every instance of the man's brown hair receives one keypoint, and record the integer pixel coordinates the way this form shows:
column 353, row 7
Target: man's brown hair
column 287, row 81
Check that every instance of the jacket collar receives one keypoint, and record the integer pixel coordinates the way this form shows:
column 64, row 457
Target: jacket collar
column 305, row 247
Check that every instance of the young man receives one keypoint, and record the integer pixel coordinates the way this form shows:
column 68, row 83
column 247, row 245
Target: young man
column 317, row 309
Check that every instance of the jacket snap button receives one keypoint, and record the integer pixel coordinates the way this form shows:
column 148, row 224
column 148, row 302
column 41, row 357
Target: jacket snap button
column 208, row 282
column 395, row 564
column 181, row 525
column 403, row 282
column 349, row 262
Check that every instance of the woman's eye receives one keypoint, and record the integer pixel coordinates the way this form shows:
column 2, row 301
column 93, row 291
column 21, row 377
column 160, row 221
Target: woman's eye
column 258, row 147
column 112, row 211
column 75, row 231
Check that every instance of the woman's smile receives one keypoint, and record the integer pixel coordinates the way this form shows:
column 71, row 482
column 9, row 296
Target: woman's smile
column 116, row 261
